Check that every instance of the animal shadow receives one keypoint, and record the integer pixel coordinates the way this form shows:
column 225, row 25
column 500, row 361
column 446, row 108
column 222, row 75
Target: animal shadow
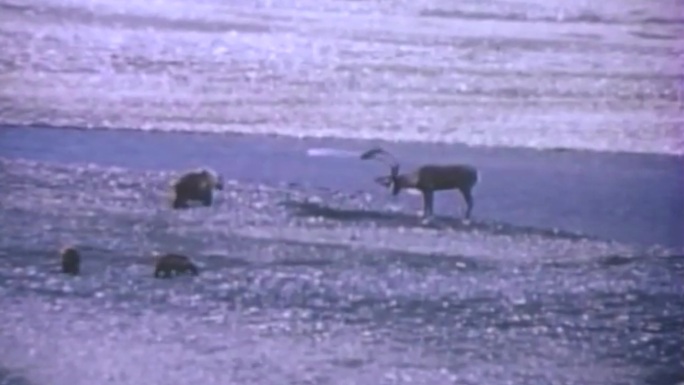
column 309, row 209
column 394, row 219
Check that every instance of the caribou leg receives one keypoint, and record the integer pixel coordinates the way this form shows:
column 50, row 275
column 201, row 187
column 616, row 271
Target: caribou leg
column 468, row 196
column 428, row 199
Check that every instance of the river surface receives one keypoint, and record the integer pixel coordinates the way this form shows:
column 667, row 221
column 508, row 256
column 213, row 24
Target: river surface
column 570, row 272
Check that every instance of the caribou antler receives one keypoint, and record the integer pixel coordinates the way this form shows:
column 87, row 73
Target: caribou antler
column 428, row 179
column 380, row 154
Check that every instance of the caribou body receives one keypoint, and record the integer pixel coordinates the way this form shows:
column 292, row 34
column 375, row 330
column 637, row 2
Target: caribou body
column 428, row 179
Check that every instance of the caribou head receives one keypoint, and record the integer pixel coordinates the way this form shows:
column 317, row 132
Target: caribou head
column 391, row 181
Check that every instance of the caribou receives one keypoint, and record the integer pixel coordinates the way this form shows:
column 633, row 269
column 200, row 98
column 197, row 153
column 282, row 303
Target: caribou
column 427, row 179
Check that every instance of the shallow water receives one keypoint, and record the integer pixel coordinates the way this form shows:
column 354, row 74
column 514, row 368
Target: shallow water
column 570, row 272
column 605, row 76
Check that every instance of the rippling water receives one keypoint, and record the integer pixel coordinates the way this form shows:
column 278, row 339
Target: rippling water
column 604, row 76
column 570, row 273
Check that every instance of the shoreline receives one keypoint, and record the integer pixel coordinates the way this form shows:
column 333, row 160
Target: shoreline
column 630, row 198
column 347, row 140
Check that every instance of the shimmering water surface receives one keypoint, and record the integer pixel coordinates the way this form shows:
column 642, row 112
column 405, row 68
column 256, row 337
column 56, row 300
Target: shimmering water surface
column 570, row 272
column 559, row 73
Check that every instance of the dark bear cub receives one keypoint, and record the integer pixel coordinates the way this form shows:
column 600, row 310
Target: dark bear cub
column 71, row 261
column 174, row 263
column 196, row 186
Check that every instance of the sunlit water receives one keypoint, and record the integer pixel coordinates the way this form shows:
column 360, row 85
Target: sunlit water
column 315, row 284
column 571, row 74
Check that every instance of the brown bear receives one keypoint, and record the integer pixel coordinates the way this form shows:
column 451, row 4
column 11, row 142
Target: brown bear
column 71, row 261
column 174, row 263
column 196, row 186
